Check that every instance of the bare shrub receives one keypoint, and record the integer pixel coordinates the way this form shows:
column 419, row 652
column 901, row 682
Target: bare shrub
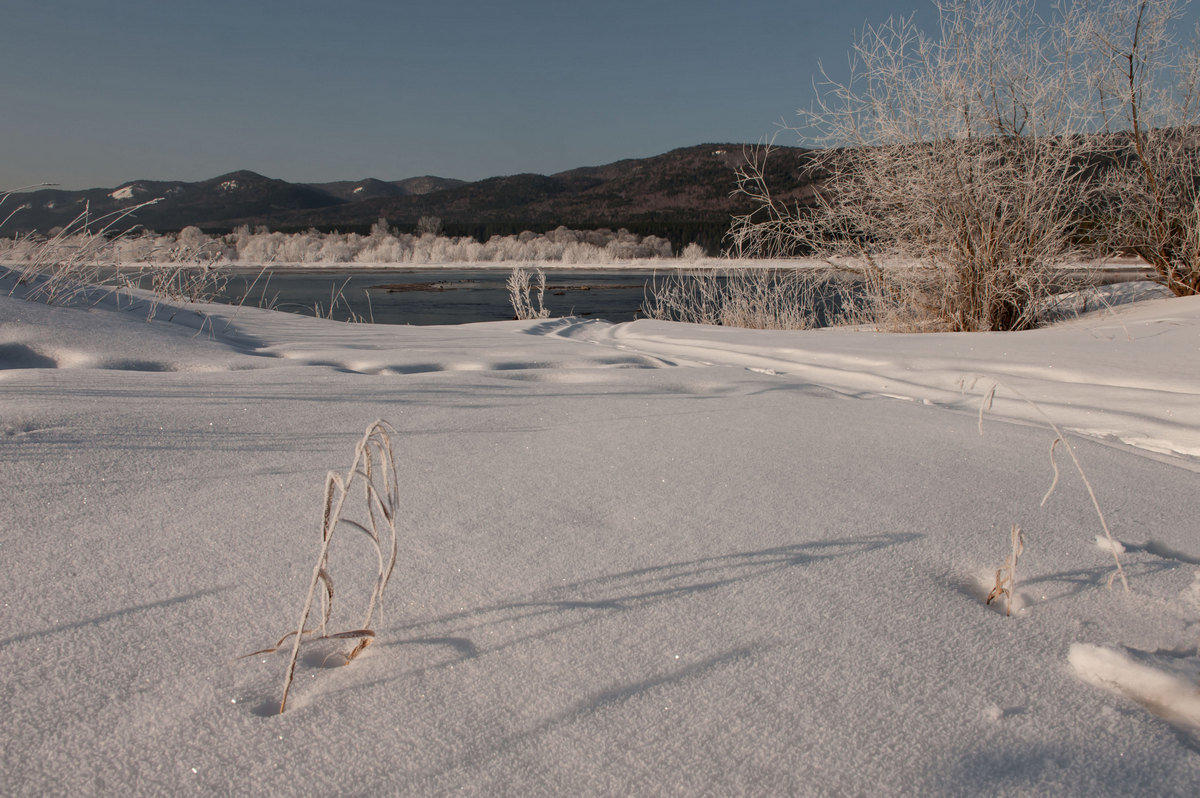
column 521, row 294
column 761, row 299
column 964, row 180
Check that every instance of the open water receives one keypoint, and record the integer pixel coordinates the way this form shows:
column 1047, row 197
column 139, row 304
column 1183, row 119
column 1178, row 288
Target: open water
column 427, row 296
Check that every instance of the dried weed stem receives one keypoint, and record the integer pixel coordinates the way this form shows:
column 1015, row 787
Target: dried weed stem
column 1006, row 575
column 374, row 468
column 1060, row 438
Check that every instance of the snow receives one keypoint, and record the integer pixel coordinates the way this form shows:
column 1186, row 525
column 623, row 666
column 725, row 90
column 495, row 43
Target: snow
column 1146, row 678
column 125, row 193
column 641, row 558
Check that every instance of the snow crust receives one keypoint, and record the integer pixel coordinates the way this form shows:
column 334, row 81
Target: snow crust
column 641, row 558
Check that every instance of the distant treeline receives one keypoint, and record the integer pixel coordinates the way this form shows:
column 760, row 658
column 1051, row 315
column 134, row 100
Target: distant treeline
column 708, row 234
column 382, row 243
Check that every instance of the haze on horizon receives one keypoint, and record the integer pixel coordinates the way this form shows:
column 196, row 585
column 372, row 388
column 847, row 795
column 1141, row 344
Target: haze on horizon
column 102, row 94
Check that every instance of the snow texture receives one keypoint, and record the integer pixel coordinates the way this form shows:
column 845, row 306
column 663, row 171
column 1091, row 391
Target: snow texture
column 636, row 559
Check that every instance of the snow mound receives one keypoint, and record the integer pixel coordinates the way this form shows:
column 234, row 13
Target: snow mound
column 1164, row 685
column 1137, row 394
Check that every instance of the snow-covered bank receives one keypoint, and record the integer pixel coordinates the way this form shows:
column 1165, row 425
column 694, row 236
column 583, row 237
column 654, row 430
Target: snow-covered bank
column 1141, row 391
column 642, row 558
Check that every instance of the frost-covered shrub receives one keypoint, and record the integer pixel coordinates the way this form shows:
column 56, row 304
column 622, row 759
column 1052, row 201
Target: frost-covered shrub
column 655, row 247
column 386, row 249
column 579, row 252
column 599, row 237
column 564, row 235
column 193, row 244
column 762, row 299
column 260, row 247
column 335, row 249
column 142, row 248
column 952, row 173
column 301, row 248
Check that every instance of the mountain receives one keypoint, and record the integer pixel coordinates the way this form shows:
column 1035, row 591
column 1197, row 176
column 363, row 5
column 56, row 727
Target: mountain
column 371, row 188
column 685, row 187
column 684, row 195
column 176, row 204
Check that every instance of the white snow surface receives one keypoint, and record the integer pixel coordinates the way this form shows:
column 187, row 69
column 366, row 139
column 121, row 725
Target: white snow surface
column 635, row 559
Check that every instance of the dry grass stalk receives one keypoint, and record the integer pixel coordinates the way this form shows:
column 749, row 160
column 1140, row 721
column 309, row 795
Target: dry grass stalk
column 337, row 298
column 1059, row 438
column 67, row 263
column 82, row 256
column 1006, row 576
column 374, row 469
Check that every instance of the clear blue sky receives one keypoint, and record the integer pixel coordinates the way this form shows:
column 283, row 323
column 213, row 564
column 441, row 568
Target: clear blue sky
column 99, row 92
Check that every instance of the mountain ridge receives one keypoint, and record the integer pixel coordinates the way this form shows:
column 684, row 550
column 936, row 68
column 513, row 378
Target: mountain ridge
column 675, row 194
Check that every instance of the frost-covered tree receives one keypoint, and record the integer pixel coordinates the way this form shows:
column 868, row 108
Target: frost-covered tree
column 1147, row 86
column 429, row 225
column 963, row 164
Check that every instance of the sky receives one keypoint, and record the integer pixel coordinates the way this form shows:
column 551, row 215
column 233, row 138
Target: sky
column 103, row 93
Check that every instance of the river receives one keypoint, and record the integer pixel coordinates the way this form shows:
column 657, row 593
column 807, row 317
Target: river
column 433, row 296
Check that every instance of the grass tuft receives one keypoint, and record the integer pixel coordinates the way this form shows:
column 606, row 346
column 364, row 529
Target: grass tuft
column 522, row 296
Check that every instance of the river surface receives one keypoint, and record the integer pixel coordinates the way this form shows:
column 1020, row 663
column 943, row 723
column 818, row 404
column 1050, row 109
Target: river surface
column 430, row 296
column 459, row 296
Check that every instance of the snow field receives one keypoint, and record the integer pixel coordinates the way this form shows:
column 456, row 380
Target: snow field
column 635, row 559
